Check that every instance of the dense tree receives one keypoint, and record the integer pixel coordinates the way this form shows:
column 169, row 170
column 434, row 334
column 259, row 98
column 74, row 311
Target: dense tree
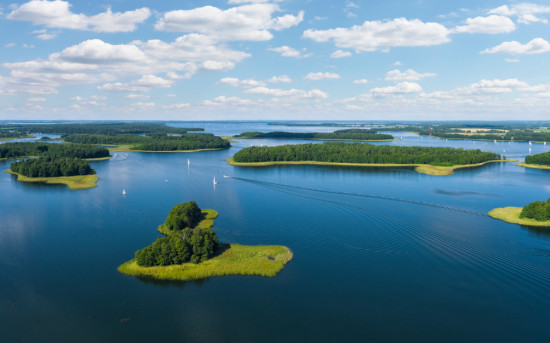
column 52, row 150
column 364, row 153
column 52, row 167
column 542, row 159
column 183, row 216
column 537, row 210
column 107, row 128
column 345, row 134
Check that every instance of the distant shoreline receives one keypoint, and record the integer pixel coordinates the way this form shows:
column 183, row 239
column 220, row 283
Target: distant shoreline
column 126, row 148
column 534, row 166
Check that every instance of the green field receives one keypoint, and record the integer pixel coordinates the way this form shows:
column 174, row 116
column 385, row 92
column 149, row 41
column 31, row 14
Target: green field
column 511, row 215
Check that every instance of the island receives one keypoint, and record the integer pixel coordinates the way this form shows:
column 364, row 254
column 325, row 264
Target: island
column 536, row 213
column 537, row 161
column 190, row 250
column 54, row 163
column 340, row 135
column 428, row 160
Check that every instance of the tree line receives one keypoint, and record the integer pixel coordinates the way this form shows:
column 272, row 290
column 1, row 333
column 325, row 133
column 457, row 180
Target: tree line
column 537, row 210
column 337, row 152
column 106, row 128
column 542, row 159
column 184, row 243
column 52, row 167
column 51, row 150
column 346, row 134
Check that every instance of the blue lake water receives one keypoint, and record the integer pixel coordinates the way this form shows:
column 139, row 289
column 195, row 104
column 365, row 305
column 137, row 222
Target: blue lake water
column 380, row 254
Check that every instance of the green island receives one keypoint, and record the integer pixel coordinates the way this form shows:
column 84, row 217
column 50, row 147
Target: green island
column 75, row 182
column 341, row 135
column 428, row 160
column 538, row 161
column 190, row 250
column 536, row 213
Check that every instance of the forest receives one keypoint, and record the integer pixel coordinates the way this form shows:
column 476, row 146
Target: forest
column 346, row 134
column 537, row 210
column 336, row 152
column 184, row 243
column 107, row 128
column 185, row 141
column 542, row 159
column 52, row 167
column 52, row 150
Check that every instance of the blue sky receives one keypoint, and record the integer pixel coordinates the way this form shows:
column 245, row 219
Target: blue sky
column 267, row 59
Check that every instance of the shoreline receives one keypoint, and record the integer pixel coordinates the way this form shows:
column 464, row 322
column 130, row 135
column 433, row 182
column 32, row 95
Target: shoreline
column 126, row 148
column 420, row 168
column 74, row 183
column 534, row 166
column 511, row 215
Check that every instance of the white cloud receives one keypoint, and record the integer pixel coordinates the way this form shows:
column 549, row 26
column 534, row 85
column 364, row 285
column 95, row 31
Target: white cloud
column 91, row 101
column 512, row 60
column 397, row 63
column 57, row 14
column 340, row 54
column 492, row 24
column 248, row 22
column 408, row 75
column 176, row 106
column 36, row 99
column 535, row 46
column 146, row 83
column 381, row 35
column 287, row 51
column 280, row 79
column 235, row 82
column 400, row 88
column 525, row 12
column 217, row 65
column 9, row 45
column 137, row 96
column 361, row 82
column 321, row 76
column 291, row 93
column 494, row 86
column 224, row 100
column 46, row 36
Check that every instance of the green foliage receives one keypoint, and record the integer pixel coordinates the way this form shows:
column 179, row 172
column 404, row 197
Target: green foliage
column 364, row 153
column 537, row 210
column 183, row 216
column 542, row 159
column 101, row 128
column 346, row 134
column 51, row 150
column 52, row 167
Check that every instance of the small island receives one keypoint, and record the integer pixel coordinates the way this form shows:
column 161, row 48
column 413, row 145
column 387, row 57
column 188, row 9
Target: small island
column 536, row 213
column 538, row 161
column 190, row 250
column 428, row 160
column 340, row 135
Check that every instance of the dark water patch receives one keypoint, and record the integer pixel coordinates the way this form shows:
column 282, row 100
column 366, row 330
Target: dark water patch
column 464, row 193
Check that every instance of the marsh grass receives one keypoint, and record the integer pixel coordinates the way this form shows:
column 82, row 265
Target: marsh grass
column 73, row 182
column 234, row 259
column 511, row 215
column 535, row 166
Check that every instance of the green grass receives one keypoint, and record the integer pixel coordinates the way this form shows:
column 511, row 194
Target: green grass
column 98, row 159
column 206, row 223
column 73, row 182
column 511, row 215
column 420, row 168
column 536, row 166
column 236, row 259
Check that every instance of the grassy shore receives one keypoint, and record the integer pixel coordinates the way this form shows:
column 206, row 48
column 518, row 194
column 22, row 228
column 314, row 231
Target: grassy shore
column 128, row 147
column 511, row 215
column 420, row 168
column 536, row 166
column 206, row 223
column 236, row 259
column 73, row 182
column 98, row 159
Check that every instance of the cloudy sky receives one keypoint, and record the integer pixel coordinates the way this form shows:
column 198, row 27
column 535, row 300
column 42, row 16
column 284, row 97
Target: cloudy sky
column 275, row 59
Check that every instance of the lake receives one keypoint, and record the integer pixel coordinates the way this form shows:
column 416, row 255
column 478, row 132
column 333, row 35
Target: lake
column 380, row 254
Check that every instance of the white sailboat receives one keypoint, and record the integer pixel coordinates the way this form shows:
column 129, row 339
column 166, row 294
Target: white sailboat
column 215, row 182
column 188, row 162
column 530, row 143
column 123, row 192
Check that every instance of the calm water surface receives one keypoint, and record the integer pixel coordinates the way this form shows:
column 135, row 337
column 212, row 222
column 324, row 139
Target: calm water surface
column 379, row 254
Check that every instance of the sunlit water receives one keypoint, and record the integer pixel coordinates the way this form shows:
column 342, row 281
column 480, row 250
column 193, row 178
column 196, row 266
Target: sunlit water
column 379, row 254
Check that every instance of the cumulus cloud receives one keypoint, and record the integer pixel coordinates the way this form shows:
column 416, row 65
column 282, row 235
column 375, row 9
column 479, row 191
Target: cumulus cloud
column 361, row 82
column 287, row 51
column 382, row 35
column 36, row 99
column 235, row 82
column 494, row 86
column 178, row 106
column 400, row 88
column 525, row 12
column 290, row 93
column 280, row 79
column 321, row 76
column 225, row 100
column 492, row 24
column 146, row 83
column 57, row 14
column 251, row 22
column 535, row 46
column 340, row 54
column 408, row 75
column 137, row 96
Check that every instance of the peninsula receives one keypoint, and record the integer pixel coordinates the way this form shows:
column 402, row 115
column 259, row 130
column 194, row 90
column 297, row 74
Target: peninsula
column 536, row 213
column 427, row 160
column 191, row 251
column 538, row 161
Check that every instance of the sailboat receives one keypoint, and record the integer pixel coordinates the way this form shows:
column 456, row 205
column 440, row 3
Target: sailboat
column 123, row 192
column 188, row 162
column 225, row 176
column 215, row 182
column 530, row 143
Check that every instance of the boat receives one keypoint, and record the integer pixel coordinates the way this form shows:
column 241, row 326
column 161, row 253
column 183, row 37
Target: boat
column 123, row 192
column 166, row 180
column 225, row 176
column 530, row 143
column 215, row 182
column 188, row 162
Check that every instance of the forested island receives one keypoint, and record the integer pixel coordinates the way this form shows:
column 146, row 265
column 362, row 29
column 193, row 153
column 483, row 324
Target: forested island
column 429, row 160
column 190, row 250
column 39, row 149
column 342, row 135
column 536, row 213
column 105, row 128
column 538, row 161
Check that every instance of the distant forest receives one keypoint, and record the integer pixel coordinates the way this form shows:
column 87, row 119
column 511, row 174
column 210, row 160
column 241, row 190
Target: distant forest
column 542, row 159
column 337, row 152
column 52, row 167
column 109, row 128
column 537, row 210
column 346, row 134
column 52, row 150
